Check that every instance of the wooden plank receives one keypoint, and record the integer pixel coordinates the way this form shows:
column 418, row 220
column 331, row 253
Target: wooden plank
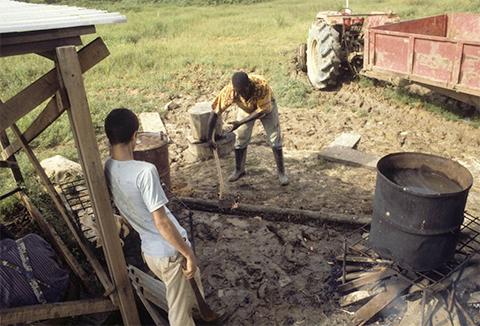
column 84, row 135
column 153, row 289
column 97, row 266
column 368, row 279
column 42, row 46
column 345, row 155
column 56, row 241
column 10, row 193
column 16, row 173
column 33, row 313
column 346, row 139
column 51, row 113
column 157, row 318
column 7, row 164
column 361, row 259
column 44, row 87
column 275, row 213
column 393, row 289
column 44, row 35
column 358, row 296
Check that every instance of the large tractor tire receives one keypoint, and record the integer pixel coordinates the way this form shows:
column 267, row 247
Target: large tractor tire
column 323, row 55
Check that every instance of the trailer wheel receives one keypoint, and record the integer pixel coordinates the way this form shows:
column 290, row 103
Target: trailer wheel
column 302, row 57
column 323, row 55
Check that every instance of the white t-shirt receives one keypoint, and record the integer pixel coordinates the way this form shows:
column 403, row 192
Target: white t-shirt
column 137, row 192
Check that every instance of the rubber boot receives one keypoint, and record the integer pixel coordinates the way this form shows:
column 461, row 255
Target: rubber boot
column 240, row 158
column 282, row 177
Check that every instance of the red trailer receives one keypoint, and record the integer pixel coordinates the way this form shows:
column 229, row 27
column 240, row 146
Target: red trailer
column 440, row 52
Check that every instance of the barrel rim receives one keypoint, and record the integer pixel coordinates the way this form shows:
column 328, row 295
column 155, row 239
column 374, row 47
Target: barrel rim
column 419, row 194
column 162, row 142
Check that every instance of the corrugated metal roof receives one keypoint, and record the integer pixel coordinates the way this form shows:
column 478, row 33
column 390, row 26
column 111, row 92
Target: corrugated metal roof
column 25, row 17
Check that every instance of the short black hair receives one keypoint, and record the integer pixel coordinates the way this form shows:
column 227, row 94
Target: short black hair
column 120, row 125
column 240, row 80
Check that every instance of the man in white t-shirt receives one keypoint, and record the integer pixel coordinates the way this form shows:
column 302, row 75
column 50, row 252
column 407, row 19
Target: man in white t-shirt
column 138, row 195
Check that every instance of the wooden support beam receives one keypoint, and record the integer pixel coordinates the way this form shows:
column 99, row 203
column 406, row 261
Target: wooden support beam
column 10, row 193
column 44, row 87
column 41, row 46
column 300, row 216
column 70, row 69
column 51, row 113
column 16, row 173
column 45, row 35
column 7, row 164
column 55, row 240
column 27, row 314
column 97, row 266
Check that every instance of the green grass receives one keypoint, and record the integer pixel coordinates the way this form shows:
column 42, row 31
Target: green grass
column 191, row 47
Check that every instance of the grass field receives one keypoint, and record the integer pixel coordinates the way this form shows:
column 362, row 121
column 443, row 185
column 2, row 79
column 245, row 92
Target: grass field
column 191, row 47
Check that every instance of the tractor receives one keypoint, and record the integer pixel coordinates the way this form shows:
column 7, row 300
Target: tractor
column 335, row 44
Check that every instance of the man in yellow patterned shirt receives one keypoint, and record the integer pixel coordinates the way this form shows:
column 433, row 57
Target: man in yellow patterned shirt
column 255, row 100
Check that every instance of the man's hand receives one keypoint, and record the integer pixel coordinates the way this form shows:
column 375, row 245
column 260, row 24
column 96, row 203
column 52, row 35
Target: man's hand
column 234, row 125
column 190, row 267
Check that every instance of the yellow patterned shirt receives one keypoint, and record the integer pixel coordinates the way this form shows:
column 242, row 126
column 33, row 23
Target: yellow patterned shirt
column 261, row 101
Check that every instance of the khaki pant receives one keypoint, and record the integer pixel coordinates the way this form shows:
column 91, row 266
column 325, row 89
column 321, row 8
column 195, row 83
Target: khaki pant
column 180, row 296
column 270, row 123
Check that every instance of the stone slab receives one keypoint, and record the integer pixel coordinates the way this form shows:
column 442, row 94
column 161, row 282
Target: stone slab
column 347, row 155
column 346, row 139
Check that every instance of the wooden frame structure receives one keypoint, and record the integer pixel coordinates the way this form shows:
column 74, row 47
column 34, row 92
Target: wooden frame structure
column 63, row 85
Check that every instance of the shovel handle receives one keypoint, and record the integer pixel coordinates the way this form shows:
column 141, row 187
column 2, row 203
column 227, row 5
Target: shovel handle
column 219, row 173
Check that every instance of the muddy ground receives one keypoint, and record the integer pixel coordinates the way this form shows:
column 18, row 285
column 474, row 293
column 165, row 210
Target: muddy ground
column 385, row 127
column 267, row 273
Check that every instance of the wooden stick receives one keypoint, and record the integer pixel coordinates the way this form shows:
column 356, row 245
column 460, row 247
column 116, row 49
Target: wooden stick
column 361, row 259
column 380, row 301
column 70, row 68
column 102, row 276
column 221, row 183
column 56, row 241
column 368, row 279
column 344, row 261
column 27, row 314
column 300, row 216
column 49, row 114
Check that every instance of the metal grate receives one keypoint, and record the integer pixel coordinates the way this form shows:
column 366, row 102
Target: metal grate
column 468, row 245
column 75, row 195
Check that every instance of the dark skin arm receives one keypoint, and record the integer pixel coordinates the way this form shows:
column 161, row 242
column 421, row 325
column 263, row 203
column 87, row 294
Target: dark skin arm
column 212, row 122
column 255, row 115
column 170, row 233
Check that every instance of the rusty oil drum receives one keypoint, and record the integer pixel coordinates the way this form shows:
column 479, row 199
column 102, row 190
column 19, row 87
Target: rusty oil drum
column 152, row 147
column 418, row 209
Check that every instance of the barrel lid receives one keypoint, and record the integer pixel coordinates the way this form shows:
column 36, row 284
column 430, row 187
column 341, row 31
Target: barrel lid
column 149, row 140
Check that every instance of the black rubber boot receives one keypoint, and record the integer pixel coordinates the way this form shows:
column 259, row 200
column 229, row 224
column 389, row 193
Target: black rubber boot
column 240, row 158
column 282, row 177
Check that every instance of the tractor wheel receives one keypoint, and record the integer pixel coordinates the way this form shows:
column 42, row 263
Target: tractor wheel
column 302, row 57
column 323, row 55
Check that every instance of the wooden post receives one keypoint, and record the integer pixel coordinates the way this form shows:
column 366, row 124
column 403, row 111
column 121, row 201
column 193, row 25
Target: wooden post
column 86, row 142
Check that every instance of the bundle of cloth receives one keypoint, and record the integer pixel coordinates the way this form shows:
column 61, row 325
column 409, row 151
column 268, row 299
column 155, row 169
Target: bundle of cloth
column 29, row 271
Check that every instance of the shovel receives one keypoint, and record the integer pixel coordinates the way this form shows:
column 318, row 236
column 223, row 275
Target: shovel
column 222, row 202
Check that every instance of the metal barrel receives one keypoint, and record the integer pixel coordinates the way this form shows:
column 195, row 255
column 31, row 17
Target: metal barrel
column 416, row 223
column 153, row 148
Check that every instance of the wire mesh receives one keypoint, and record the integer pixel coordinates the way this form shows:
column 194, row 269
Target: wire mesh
column 467, row 246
